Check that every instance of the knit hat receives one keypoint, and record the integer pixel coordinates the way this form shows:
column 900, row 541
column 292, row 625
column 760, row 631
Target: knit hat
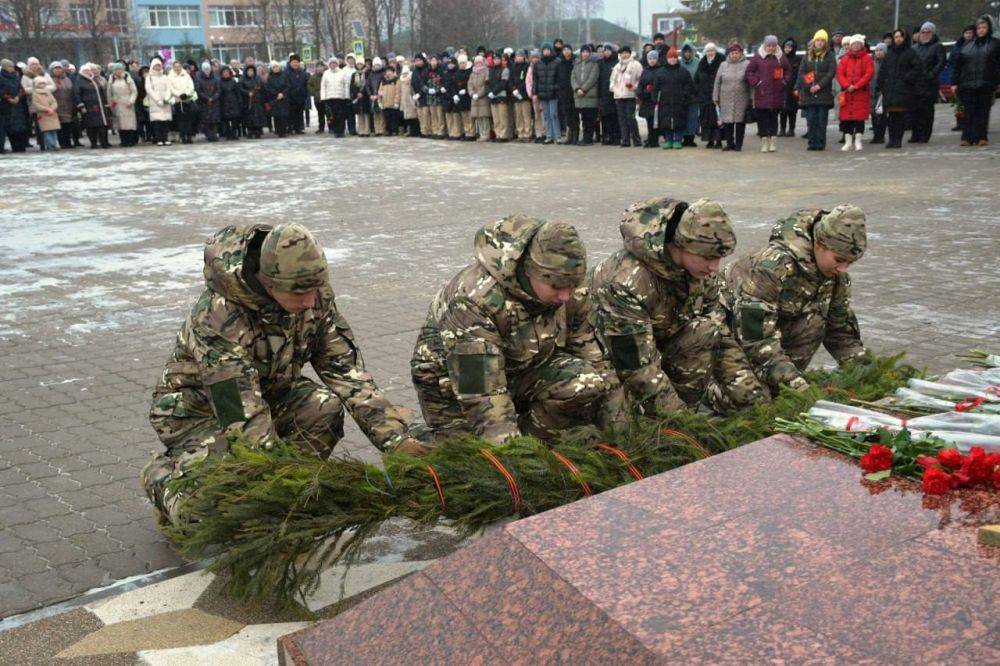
column 292, row 260
column 273, row 63
column 33, row 61
column 854, row 38
column 508, row 51
column 705, row 230
column 6, row 63
column 880, row 47
column 115, row 66
column 821, row 34
column 625, row 49
column 771, row 40
column 734, row 46
column 842, row 231
column 928, row 27
column 586, row 48
column 653, row 55
column 54, row 64
column 377, row 62
column 710, row 47
column 547, row 45
column 556, row 256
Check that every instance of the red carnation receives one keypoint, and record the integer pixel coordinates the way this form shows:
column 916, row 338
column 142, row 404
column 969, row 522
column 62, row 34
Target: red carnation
column 936, row 481
column 978, row 466
column 878, row 459
column 950, row 458
column 925, row 461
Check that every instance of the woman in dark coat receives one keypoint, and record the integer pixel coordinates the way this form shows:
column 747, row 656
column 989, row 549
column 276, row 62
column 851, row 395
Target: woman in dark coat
column 230, row 104
column 208, row 89
column 977, row 73
column 673, row 93
column 787, row 117
column 896, row 80
column 91, row 97
column 610, row 130
column 769, row 75
column 815, row 88
column 15, row 124
column 704, row 84
column 645, row 97
column 252, row 91
column 277, row 98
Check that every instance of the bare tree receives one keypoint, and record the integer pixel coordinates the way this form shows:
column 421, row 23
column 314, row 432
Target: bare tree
column 586, row 9
column 337, row 16
column 392, row 13
column 35, row 22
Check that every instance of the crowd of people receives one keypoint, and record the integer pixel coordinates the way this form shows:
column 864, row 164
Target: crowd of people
column 553, row 94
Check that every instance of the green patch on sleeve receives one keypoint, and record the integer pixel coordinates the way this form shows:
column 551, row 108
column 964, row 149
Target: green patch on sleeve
column 227, row 402
column 473, row 371
column 624, row 352
column 752, row 323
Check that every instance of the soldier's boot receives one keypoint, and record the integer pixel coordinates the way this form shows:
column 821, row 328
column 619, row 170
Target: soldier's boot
column 162, row 469
column 442, row 411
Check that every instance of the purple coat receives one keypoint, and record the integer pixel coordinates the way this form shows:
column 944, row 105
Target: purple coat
column 768, row 78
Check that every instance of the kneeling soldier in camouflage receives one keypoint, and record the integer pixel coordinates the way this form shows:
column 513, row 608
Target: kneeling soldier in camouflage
column 795, row 294
column 507, row 347
column 268, row 310
column 657, row 310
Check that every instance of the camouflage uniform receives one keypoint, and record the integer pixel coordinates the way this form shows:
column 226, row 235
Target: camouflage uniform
column 783, row 307
column 237, row 363
column 494, row 361
column 666, row 332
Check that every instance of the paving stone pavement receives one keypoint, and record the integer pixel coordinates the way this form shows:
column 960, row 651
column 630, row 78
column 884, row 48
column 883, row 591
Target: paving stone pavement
column 99, row 273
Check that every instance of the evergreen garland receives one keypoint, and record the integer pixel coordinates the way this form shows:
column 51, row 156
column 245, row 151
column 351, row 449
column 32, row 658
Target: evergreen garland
column 275, row 519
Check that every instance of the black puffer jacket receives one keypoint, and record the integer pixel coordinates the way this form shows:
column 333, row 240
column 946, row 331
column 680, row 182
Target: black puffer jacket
column 372, row 85
column 898, row 76
column 546, row 78
column 565, row 81
column 932, row 61
column 519, row 79
column 977, row 64
column 499, row 83
column 418, row 83
column 451, row 88
column 704, row 78
column 673, row 93
column 230, row 97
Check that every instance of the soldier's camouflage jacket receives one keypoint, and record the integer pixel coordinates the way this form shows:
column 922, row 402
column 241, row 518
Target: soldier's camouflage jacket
column 783, row 307
column 238, row 348
column 484, row 329
column 641, row 300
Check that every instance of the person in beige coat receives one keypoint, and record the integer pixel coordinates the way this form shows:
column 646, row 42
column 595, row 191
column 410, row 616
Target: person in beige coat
column 480, row 112
column 44, row 106
column 407, row 103
column 122, row 93
column 159, row 100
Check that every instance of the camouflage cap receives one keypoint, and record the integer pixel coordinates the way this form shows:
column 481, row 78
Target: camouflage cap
column 705, row 230
column 842, row 231
column 556, row 256
column 292, row 260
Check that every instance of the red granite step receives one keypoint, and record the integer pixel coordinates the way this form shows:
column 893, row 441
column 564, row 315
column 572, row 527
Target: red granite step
column 775, row 551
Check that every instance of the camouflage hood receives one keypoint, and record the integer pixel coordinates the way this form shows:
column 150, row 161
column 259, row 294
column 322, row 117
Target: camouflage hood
column 796, row 233
column 501, row 245
column 644, row 232
column 224, row 265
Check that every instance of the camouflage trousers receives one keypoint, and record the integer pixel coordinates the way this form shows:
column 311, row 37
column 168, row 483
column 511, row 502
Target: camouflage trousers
column 308, row 415
column 704, row 367
column 563, row 392
column 801, row 337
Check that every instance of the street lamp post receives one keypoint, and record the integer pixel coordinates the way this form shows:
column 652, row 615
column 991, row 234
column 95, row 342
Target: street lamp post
column 895, row 19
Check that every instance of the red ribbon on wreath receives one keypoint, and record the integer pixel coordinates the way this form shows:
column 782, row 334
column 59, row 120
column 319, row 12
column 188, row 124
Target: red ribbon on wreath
column 968, row 404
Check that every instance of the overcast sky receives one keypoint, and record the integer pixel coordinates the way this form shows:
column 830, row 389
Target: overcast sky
column 616, row 10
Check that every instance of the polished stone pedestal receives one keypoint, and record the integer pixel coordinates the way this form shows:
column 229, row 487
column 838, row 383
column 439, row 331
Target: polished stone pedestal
column 777, row 551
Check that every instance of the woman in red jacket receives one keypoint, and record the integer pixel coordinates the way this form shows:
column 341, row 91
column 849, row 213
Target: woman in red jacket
column 854, row 72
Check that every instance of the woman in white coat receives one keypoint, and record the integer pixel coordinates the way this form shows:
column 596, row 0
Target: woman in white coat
column 184, row 97
column 335, row 93
column 159, row 100
column 122, row 94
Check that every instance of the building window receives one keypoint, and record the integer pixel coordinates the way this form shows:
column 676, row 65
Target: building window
column 118, row 13
column 163, row 16
column 232, row 17
column 226, row 53
column 79, row 15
